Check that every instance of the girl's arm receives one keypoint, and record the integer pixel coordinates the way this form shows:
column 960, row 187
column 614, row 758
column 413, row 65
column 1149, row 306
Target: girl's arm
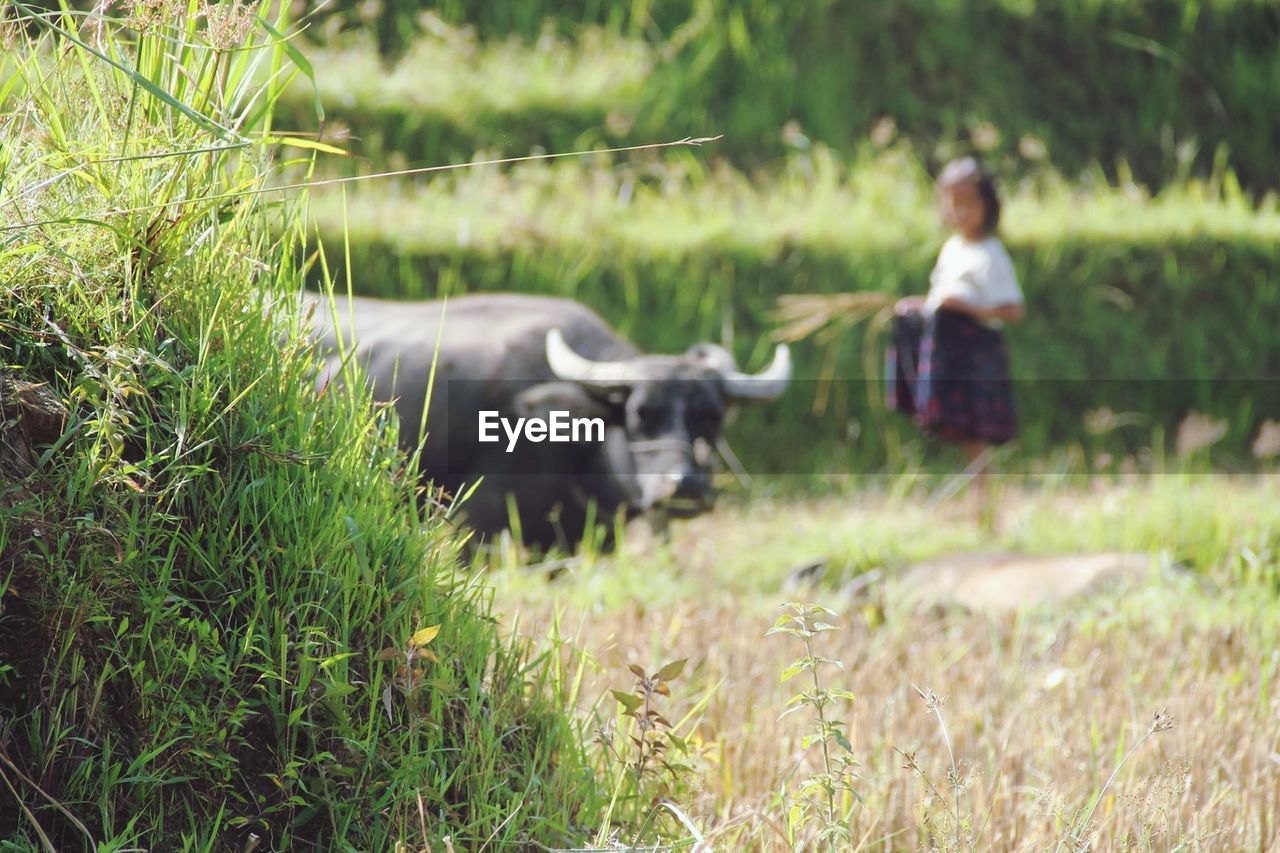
column 1010, row 313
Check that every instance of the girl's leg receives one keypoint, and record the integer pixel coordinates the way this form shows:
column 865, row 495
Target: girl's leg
column 973, row 451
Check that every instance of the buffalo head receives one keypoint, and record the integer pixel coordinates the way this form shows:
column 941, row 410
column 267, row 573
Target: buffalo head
column 665, row 415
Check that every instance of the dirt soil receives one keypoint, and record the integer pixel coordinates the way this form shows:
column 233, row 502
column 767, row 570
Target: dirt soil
column 30, row 415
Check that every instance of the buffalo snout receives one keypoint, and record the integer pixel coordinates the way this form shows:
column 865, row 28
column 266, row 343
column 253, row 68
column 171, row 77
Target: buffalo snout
column 678, row 486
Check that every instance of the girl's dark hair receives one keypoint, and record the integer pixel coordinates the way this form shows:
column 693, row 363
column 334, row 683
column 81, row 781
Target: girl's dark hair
column 966, row 170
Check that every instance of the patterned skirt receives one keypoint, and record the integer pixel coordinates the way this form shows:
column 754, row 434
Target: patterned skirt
column 952, row 374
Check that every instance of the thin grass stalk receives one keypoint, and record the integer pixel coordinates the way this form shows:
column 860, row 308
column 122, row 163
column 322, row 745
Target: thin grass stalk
column 1161, row 722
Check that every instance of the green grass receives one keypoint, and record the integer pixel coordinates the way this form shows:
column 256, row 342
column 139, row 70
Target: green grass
column 684, row 203
column 1163, row 89
column 198, row 576
column 450, row 93
column 1222, row 527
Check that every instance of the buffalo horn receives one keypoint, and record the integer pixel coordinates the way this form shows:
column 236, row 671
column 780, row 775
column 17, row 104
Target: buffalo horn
column 765, row 385
column 571, row 367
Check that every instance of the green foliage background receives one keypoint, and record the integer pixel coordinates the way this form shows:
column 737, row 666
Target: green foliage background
column 1079, row 350
column 1163, row 85
column 1154, row 307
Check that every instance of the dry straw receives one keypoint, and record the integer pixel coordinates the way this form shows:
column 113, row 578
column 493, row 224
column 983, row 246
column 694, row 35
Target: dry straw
column 827, row 318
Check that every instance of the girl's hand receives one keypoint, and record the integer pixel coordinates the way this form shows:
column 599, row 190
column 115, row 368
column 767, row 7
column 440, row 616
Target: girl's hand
column 908, row 305
column 1010, row 313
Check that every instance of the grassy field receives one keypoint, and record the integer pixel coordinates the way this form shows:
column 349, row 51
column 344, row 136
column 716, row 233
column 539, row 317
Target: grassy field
column 1041, row 704
column 453, row 93
column 683, row 201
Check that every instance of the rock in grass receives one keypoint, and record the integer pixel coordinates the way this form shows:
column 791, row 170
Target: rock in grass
column 999, row 582
column 805, row 575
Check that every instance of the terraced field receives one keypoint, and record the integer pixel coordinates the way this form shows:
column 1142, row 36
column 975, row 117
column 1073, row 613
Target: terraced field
column 708, row 242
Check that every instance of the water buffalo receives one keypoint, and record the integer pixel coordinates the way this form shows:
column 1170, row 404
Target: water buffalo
column 505, row 357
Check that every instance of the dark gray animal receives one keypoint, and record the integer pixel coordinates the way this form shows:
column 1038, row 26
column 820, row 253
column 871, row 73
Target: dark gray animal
column 526, row 357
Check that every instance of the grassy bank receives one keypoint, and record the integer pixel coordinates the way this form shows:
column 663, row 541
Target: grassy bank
column 224, row 621
column 451, row 95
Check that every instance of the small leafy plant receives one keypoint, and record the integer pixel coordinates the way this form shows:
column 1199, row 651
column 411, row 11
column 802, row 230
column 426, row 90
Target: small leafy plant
column 411, row 667
column 831, row 790
column 645, row 756
column 655, row 735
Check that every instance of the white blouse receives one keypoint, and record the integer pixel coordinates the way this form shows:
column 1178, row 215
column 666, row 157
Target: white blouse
column 978, row 273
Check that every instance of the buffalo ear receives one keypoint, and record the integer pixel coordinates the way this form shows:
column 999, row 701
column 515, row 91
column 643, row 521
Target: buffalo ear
column 541, row 400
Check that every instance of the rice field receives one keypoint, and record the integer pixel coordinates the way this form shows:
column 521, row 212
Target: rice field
column 1039, row 704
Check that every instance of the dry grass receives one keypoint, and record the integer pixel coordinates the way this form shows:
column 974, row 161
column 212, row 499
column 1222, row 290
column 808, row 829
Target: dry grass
column 1040, row 706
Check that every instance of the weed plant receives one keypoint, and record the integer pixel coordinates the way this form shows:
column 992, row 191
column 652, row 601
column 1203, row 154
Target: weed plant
column 830, row 793
column 646, row 755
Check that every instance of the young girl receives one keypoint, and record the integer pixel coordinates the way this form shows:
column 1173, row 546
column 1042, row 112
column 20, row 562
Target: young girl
column 957, row 383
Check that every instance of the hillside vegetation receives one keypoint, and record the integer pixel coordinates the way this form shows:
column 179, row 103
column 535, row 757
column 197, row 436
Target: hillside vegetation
column 224, row 621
